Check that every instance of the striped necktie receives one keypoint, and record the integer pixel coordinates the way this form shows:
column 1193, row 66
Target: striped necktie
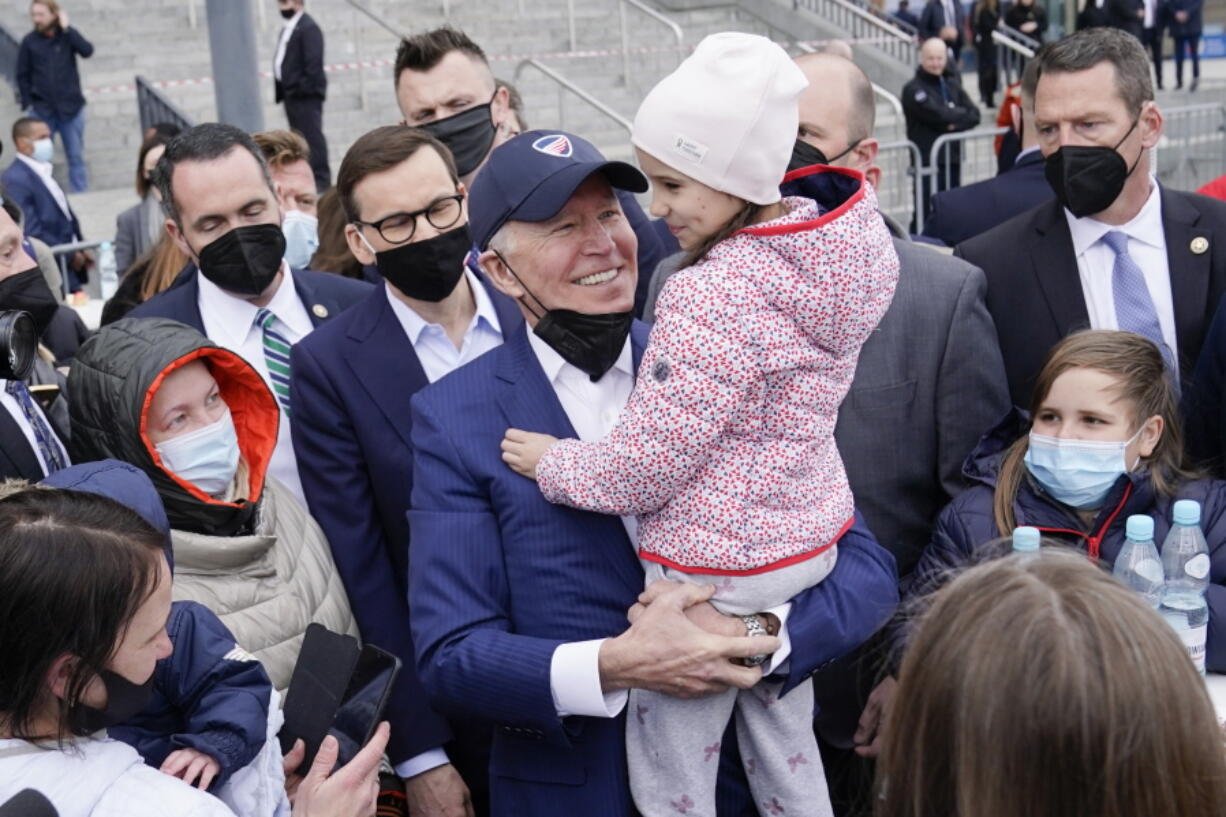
column 276, row 356
column 48, row 446
column 1134, row 308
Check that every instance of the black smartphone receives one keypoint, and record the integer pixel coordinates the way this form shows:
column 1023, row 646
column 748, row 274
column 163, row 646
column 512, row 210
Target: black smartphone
column 364, row 700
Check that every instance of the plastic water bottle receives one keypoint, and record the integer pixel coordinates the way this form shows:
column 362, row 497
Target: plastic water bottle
column 1138, row 565
column 108, row 274
column 1026, row 542
column 1185, row 561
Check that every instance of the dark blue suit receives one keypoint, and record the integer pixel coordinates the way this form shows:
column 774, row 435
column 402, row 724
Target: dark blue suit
column 501, row 578
column 324, row 294
column 352, row 381
column 44, row 219
column 965, row 212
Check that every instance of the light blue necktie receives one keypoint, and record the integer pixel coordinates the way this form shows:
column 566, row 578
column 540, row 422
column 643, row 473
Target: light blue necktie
column 276, row 356
column 1134, row 308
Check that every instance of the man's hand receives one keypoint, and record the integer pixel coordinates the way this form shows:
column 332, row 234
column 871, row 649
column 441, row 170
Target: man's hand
column 949, row 34
column 63, row 18
column 872, row 721
column 439, row 792
column 666, row 652
column 1029, row 26
column 703, row 615
column 189, row 764
column 1181, row 16
column 350, row 791
column 522, row 450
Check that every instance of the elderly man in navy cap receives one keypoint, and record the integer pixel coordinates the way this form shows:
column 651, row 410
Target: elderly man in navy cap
column 520, row 607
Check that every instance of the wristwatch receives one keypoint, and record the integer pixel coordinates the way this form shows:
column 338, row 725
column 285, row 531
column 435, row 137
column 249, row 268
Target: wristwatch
column 754, row 627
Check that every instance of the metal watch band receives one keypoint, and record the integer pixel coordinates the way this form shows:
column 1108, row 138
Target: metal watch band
column 754, row 627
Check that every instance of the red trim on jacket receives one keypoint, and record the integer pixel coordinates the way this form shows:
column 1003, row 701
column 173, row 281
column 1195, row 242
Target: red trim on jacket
column 802, row 226
column 715, row 571
column 254, row 410
column 1094, row 542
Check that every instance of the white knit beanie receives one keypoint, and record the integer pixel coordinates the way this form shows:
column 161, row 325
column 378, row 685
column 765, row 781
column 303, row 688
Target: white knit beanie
column 727, row 117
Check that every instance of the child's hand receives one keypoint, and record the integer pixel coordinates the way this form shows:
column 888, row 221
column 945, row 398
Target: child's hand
column 522, row 450
column 188, row 764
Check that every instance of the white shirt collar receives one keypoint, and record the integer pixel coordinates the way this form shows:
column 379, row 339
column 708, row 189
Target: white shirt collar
column 234, row 316
column 1145, row 226
column 1025, row 153
column 415, row 324
column 41, row 168
column 554, row 365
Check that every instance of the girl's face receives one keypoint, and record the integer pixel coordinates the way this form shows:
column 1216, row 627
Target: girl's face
column 1087, row 404
column 188, row 399
column 693, row 211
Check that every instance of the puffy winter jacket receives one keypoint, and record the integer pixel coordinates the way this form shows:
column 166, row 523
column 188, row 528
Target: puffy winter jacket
column 261, row 563
column 726, row 448
column 966, row 526
column 208, row 695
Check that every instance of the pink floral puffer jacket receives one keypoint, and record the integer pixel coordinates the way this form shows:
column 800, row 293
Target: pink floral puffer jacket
column 726, row 448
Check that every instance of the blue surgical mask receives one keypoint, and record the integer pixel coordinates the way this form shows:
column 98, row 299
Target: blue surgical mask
column 44, row 150
column 1078, row 473
column 206, row 457
column 301, row 238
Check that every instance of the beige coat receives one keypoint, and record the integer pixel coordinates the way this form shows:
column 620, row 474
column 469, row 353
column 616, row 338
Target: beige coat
column 267, row 586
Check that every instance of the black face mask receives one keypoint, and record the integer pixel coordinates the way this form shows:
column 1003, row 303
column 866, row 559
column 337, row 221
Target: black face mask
column 28, row 291
column 805, row 155
column 590, row 343
column 124, row 700
column 288, row 13
column 427, row 270
column 1087, row 179
column 468, row 135
column 245, row 260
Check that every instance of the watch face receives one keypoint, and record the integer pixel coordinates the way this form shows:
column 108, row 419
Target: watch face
column 756, row 660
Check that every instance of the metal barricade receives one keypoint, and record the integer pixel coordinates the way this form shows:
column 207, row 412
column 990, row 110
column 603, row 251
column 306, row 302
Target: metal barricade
column 1013, row 48
column 1192, row 150
column 885, row 34
column 63, row 252
column 976, row 157
column 898, row 193
column 156, row 109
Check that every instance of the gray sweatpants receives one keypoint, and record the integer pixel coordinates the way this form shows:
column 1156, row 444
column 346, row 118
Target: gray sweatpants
column 673, row 744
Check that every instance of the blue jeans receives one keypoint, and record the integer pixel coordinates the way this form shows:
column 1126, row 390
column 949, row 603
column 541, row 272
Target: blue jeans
column 72, row 134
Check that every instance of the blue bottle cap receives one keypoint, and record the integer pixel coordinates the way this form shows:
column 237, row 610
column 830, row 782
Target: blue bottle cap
column 1139, row 528
column 1026, row 539
column 1187, row 512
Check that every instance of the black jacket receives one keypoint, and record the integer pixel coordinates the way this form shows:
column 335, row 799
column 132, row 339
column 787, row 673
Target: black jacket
column 1034, row 286
column 47, row 78
column 932, row 112
column 1019, row 14
column 1122, row 14
column 302, row 69
column 932, row 20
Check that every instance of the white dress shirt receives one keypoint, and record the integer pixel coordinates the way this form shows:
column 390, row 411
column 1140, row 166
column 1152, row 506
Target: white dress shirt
column 9, row 403
column 1146, row 246
column 593, row 409
column 435, row 351
column 230, row 322
column 43, row 169
column 286, row 31
column 1151, row 7
column 438, row 357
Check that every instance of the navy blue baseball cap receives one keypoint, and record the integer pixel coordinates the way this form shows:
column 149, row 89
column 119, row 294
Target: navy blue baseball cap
column 531, row 177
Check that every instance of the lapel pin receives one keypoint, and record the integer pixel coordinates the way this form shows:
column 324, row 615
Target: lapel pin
column 1199, row 245
column 321, row 311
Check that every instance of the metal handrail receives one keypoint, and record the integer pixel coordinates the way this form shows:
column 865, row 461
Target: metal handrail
column 565, row 84
column 155, row 108
column 9, row 46
column 359, row 7
column 1011, row 52
column 1020, row 37
column 861, row 24
column 653, row 14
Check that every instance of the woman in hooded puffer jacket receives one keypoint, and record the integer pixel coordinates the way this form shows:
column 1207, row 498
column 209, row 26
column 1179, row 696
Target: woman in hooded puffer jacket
column 200, row 421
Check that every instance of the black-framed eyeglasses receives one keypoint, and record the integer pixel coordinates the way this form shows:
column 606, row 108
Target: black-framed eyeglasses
column 399, row 227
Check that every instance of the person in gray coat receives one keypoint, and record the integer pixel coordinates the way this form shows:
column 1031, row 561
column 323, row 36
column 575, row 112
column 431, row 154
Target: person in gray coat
column 138, row 228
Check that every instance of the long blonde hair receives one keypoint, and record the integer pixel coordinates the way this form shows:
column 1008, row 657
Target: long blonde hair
column 161, row 264
column 1048, row 689
column 1137, row 365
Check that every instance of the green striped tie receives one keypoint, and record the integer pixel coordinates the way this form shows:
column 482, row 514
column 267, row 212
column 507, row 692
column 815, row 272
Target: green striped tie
column 276, row 356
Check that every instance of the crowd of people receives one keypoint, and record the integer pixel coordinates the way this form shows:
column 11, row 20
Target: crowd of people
column 677, row 486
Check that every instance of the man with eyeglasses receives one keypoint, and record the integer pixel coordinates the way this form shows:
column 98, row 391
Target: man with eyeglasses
column 407, row 215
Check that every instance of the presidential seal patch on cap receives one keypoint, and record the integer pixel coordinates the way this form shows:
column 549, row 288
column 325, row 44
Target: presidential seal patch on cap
column 557, row 144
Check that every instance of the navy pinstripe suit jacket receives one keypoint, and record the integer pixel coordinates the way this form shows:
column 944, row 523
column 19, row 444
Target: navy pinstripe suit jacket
column 501, row 577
